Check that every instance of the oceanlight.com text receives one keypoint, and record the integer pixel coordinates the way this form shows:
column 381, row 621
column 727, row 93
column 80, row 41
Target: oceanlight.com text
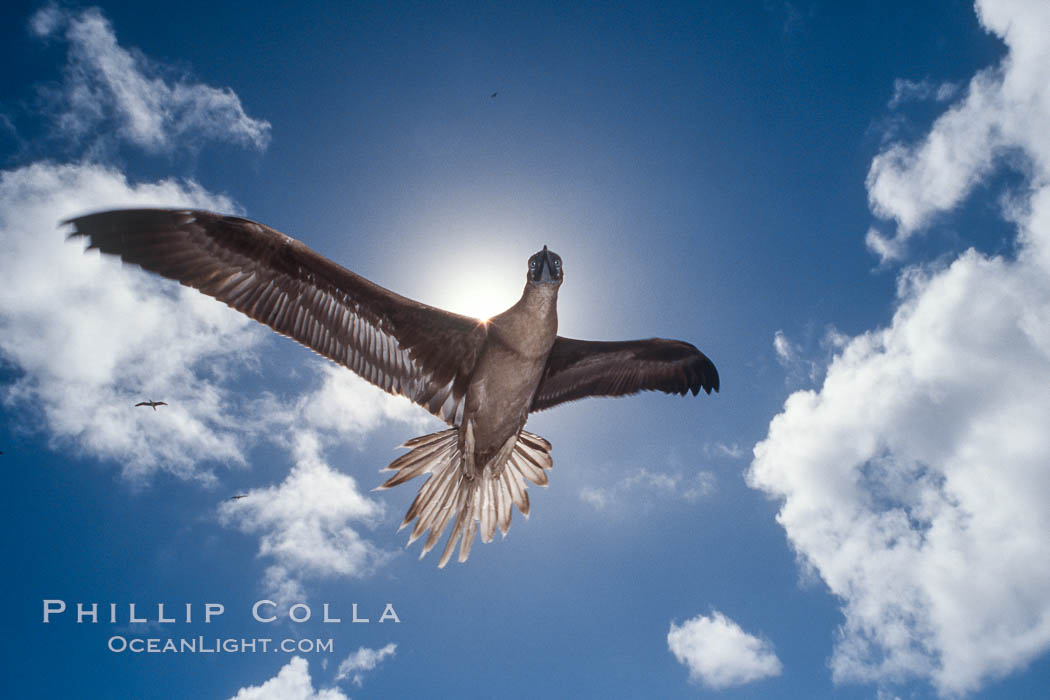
column 216, row 645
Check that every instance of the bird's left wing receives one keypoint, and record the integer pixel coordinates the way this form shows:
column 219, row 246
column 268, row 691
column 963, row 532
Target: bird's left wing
column 398, row 344
column 577, row 369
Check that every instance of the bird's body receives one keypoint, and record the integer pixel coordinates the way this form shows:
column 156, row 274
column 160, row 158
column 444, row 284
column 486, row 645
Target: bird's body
column 482, row 378
column 485, row 474
column 151, row 403
column 509, row 369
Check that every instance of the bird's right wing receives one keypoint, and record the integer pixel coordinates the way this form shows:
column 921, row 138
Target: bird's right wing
column 398, row 344
column 577, row 369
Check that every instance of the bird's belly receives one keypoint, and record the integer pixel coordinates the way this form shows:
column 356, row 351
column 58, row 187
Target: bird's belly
column 498, row 400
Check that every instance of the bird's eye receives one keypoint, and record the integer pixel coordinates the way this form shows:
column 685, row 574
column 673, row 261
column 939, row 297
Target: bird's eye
column 557, row 262
column 532, row 264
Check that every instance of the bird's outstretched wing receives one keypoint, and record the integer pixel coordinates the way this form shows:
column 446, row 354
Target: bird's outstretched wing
column 577, row 369
column 398, row 344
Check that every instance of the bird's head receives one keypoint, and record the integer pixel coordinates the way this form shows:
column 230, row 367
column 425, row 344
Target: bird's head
column 545, row 268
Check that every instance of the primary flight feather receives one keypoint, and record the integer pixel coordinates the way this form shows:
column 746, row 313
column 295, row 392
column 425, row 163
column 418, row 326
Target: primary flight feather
column 482, row 378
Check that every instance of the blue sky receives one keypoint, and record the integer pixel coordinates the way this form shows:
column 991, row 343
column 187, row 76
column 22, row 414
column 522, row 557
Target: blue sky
column 845, row 205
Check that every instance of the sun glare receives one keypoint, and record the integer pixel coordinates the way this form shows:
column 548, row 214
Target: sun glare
column 482, row 295
column 483, row 283
column 477, row 268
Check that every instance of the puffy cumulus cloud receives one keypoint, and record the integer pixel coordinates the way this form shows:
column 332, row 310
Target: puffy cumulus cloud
column 997, row 120
column 913, row 482
column 347, row 405
column 719, row 654
column 308, row 524
column 292, row 682
column 642, row 487
column 335, row 406
column 89, row 338
column 364, row 659
column 92, row 338
column 105, row 84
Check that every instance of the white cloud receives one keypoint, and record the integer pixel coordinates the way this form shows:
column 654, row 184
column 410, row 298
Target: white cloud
column 913, row 482
column 292, row 682
column 90, row 338
column 93, row 338
column 364, row 659
column 800, row 368
column 347, row 405
column 785, row 349
column 998, row 118
column 911, row 91
column 642, row 487
column 341, row 407
column 721, row 449
column 104, row 82
column 307, row 524
column 719, row 654
column 46, row 20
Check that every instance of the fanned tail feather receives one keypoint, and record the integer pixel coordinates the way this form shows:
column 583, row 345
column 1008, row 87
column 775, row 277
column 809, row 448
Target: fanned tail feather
column 487, row 500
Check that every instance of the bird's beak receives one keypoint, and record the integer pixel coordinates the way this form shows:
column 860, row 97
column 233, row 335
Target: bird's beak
column 546, row 267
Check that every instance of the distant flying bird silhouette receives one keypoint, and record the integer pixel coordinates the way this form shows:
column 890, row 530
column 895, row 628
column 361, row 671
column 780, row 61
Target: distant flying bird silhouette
column 494, row 94
column 237, row 497
column 151, row 403
column 481, row 377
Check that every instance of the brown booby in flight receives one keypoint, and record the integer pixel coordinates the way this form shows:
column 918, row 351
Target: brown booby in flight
column 481, row 377
column 152, row 403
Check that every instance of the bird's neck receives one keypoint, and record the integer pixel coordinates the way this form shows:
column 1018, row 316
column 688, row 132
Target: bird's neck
column 530, row 326
column 540, row 300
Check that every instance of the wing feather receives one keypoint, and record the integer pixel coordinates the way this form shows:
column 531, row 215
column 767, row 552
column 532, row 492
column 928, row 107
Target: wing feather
column 398, row 344
column 577, row 369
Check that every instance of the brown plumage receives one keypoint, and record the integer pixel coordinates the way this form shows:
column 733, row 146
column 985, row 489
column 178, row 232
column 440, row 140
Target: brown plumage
column 482, row 378
column 151, row 403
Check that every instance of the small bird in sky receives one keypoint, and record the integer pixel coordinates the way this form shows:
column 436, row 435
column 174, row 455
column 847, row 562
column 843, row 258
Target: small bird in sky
column 237, row 497
column 152, row 403
column 494, row 94
column 483, row 378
